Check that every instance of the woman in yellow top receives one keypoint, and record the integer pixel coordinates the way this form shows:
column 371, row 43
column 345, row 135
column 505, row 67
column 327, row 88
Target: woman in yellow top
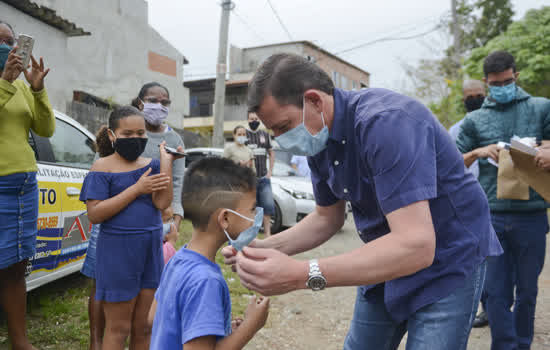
column 238, row 151
column 21, row 108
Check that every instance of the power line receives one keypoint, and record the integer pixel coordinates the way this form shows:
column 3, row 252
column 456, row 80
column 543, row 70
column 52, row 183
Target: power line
column 243, row 21
column 280, row 20
column 437, row 27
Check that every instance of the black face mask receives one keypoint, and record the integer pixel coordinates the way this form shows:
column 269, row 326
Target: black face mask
column 472, row 103
column 130, row 148
column 254, row 125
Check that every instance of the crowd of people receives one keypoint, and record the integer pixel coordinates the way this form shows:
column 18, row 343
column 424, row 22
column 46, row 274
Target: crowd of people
column 437, row 238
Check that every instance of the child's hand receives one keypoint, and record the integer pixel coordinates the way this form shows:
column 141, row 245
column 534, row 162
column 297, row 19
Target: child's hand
column 172, row 236
column 236, row 323
column 149, row 184
column 169, row 156
column 256, row 312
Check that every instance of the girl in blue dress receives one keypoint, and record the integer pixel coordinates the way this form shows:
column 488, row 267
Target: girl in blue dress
column 125, row 193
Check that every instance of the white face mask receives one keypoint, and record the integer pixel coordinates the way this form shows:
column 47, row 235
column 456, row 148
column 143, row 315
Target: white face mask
column 241, row 140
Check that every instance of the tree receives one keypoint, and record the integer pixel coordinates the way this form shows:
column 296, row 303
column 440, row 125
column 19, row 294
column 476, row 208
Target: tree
column 439, row 81
column 528, row 41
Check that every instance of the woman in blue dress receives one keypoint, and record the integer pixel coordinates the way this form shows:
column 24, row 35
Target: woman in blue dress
column 125, row 193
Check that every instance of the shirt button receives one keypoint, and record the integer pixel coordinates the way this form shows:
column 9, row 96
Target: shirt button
column 336, row 162
column 345, row 190
column 22, row 193
column 22, row 206
column 343, row 142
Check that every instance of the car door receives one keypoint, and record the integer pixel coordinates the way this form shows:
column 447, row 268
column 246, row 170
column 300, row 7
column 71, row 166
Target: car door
column 74, row 154
column 63, row 227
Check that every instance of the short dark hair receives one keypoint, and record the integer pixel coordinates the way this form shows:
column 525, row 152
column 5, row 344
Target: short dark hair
column 143, row 92
column 103, row 144
column 213, row 183
column 497, row 62
column 9, row 26
column 237, row 128
column 286, row 77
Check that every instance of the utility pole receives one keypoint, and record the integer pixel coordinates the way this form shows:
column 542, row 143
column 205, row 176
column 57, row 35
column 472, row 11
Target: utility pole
column 456, row 35
column 221, row 69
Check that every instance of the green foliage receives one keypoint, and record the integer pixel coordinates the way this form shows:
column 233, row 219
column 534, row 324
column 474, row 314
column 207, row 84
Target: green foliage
column 529, row 41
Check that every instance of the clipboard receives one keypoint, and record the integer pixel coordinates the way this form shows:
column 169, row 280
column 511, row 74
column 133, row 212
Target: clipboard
column 526, row 170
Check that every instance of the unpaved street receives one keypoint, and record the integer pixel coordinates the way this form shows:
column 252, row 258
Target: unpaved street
column 311, row 321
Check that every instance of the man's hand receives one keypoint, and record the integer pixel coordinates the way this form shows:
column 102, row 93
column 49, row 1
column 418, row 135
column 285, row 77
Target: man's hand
column 490, row 151
column 268, row 175
column 542, row 159
column 37, row 74
column 270, row 272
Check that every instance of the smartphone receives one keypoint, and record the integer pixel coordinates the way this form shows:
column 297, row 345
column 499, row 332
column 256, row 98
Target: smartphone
column 173, row 151
column 25, row 44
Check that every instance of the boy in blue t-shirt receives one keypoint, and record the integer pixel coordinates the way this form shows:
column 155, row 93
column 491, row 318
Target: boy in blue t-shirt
column 192, row 306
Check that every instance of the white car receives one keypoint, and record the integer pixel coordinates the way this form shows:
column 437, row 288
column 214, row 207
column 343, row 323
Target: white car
column 63, row 227
column 293, row 195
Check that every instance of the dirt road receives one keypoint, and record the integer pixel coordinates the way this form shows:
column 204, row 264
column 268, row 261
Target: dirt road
column 305, row 320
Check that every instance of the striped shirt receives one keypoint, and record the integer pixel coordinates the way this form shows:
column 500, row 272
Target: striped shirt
column 259, row 142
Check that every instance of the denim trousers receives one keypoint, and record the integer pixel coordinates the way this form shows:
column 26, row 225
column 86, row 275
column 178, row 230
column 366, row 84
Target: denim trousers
column 523, row 239
column 445, row 324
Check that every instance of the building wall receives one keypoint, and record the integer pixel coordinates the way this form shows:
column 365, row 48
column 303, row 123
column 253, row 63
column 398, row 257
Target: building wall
column 331, row 65
column 112, row 63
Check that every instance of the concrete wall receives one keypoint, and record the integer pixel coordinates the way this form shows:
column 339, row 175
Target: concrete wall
column 51, row 44
column 248, row 60
column 112, row 63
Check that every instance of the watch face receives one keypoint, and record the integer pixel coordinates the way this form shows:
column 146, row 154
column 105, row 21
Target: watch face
column 317, row 283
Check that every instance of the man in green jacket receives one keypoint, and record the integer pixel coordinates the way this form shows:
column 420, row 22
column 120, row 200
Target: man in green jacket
column 521, row 225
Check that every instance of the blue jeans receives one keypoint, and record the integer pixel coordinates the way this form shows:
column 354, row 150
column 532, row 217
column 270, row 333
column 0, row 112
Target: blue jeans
column 264, row 196
column 88, row 268
column 523, row 239
column 445, row 324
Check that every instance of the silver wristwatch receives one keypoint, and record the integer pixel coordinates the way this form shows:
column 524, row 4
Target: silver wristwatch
column 316, row 280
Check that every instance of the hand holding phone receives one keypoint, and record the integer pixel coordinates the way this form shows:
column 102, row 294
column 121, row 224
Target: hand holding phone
column 173, row 151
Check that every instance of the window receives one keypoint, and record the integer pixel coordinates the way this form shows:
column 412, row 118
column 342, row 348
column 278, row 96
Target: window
column 336, row 79
column 71, row 147
column 204, row 110
column 343, row 82
column 354, row 85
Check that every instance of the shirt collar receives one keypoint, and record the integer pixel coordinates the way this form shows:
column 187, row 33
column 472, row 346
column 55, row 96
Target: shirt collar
column 338, row 129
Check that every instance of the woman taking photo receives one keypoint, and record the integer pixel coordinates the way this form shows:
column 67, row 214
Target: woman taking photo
column 22, row 108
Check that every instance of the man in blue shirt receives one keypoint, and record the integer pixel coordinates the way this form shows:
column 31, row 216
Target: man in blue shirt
column 424, row 218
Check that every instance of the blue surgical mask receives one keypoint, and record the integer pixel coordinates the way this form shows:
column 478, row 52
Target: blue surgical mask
column 250, row 233
column 300, row 141
column 155, row 113
column 4, row 53
column 503, row 94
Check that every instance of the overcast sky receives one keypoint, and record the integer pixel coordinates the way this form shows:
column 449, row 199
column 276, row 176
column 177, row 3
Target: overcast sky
column 192, row 26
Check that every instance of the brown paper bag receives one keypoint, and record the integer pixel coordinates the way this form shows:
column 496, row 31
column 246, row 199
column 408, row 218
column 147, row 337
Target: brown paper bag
column 509, row 186
column 528, row 172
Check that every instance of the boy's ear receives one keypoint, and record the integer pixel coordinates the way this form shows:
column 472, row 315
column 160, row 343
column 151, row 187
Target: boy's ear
column 222, row 219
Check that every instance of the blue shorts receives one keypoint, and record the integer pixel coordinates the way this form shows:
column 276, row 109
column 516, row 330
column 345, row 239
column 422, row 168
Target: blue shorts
column 264, row 196
column 18, row 217
column 88, row 268
column 126, row 264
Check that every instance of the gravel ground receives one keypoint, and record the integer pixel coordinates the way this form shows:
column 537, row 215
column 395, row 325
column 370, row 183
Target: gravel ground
column 307, row 320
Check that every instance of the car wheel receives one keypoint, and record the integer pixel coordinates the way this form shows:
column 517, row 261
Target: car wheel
column 276, row 220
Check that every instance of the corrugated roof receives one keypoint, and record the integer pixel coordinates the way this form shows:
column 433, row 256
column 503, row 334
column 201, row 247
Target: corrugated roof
column 48, row 16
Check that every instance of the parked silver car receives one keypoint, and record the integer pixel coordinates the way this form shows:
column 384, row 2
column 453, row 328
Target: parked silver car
column 293, row 195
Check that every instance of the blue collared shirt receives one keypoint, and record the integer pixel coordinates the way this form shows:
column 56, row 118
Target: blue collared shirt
column 387, row 151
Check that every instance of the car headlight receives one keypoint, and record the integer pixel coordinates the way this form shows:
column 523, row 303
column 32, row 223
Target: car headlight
column 298, row 194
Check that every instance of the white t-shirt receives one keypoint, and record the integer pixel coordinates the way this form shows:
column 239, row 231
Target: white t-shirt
column 454, row 131
column 301, row 164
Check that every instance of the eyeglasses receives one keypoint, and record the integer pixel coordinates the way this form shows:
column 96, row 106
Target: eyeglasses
column 7, row 41
column 165, row 102
column 502, row 83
